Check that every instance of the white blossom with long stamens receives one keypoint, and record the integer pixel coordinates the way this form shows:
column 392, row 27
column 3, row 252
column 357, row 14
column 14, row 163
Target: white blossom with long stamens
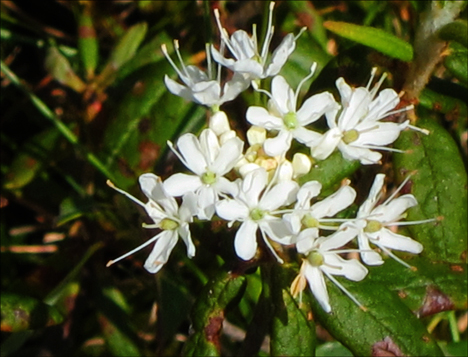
column 374, row 223
column 322, row 259
column 359, row 129
column 247, row 60
column 167, row 216
column 306, row 220
column 209, row 161
column 284, row 117
column 200, row 87
column 255, row 207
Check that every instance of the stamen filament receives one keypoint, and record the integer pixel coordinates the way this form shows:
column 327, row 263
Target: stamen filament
column 310, row 75
column 269, row 34
column 268, row 244
column 343, row 289
column 110, row 262
column 137, row 201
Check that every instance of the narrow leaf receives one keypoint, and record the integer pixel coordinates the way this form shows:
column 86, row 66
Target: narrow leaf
column 208, row 314
column 60, row 69
column 457, row 62
column 455, row 31
column 291, row 333
column 87, row 41
column 439, row 185
column 377, row 39
column 20, row 312
column 387, row 328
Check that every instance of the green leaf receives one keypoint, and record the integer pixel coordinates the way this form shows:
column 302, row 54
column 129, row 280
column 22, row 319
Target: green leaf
column 429, row 289
column 20, row 312
column 388, row 326
column 291, row 333
column 439, row 186
column 123, row 52
column 208, row 314
column 455, row 31
column 332, row 349
column 87, row 41
column 146, row 118
column 331, row 171
column 60, row 69
column 30, row 159
column 377, row 39
column 457, row 63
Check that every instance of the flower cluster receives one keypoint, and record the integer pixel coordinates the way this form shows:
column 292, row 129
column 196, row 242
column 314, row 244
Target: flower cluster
column 266, row 200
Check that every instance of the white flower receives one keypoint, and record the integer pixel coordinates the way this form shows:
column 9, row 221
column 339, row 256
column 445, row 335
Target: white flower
column 283, row 116
column 359, row 128
column 323, row 259
column 209, row 161
column 248, row 61
column 167, row 216
column 374, row 222
column 312, row 218
column 255, row 207
column 200, row 87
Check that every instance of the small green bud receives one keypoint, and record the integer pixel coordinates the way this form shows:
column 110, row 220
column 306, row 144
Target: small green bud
column 315, row 259
column 257, row 214
column 310, row 222
column 168, row 224
column 208, row 178
column 290, row 121
column 373, row 226
column 350, row 136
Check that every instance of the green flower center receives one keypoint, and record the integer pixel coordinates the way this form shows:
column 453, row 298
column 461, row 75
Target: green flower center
column 373, row 226
column 310, row 222
column 168, row 224
column 290, row 121
column 208, row 178
column 257, row 214
column 315, row 259
column 350, row 136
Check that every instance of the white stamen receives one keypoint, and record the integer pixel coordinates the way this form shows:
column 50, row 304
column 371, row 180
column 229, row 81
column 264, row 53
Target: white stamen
column 343, row 289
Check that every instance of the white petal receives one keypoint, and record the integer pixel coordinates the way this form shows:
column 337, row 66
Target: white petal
column 365, row 156
column 345, row 90
column 179, row 184
column 306, row 240
column 283, row 95
column 301, row 164
column 383, row 134
column 219, row 58
column 209, row 145
column 279, row 195
column 280, row 55
column 184, row 233
column 190, row 149
column 306, row 136
column 338, row 239
column 357, row 109
column 152, row 187
column 387, row 100
column 178, row 89
column 374, row 195
column 232, row 210
column 314, row 107
column 335, row 203
column 161, row 251
column 234, row 87
column 242, row 45
column 223, row 185
column 396, row 241
column 294, row 221
column 276, row 229
column 278, row 145
column 250, row 68
column 317, row 285
column 219, row 123
column 245, row 242
column 229, row 154
column 207, row 197
column 369, row 257
column 393, row 210
column 254, row 183
column 308, row 191
column 326, row 145
column 261, row 117
column 350, row 269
